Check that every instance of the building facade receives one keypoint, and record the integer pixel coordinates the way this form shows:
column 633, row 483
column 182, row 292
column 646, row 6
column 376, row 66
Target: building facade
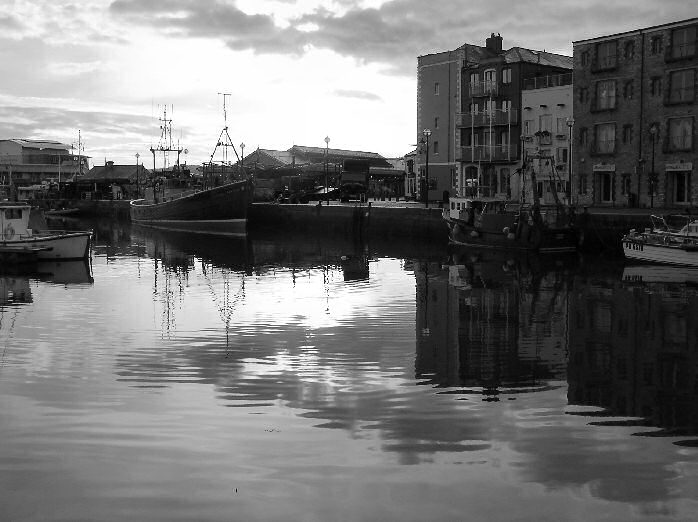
column 546, row 118
column 26, row 162
column 635, row 117
column 470, row 100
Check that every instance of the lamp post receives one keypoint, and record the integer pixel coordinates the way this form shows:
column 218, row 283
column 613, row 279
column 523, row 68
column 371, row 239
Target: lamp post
column 570, row 125
column 522, row 178
column 327, row 149
column 653, row 135
column 242, row 159
column 138, row 186
column 426, row 133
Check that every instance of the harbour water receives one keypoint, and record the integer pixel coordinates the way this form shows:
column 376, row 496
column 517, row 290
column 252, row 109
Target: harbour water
column 310, row 378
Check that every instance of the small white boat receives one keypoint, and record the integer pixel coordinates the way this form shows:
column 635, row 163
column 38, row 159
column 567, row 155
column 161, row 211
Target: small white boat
column 16, row 235
column 663, row 243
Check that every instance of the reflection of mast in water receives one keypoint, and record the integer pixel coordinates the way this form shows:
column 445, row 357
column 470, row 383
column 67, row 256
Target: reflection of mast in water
column 167, row 293
column 225, row 303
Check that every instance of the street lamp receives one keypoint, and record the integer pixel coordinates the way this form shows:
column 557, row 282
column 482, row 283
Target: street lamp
column 570, row 124
column 327, row 149
column 522, row 177
column 426, row 133
column 242, row 159
column 653, row 134
column 138, row 186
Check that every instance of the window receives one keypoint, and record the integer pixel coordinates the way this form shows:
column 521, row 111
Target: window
column 561, row 155
column 656, row 45
column 504, row 180
column 583, row 136
column 436, row 147
column 545, row 126
column 625, row 184
column 490, row 106
column 583, row 94
column 474, row 108
column 528, row 127
column 504, row 140
column 629, row 90
column 436, row 88
column 585, row 58
column 627, row 134
column 605, row 138
column 436, row 122
column 683, row 42
column 682, row 86
column 506, row 105
column 681, row 133
column 656, row 86
column 606, row 55
column 606, row 94
column 583, row 184
column 506, row 75
column 474, row 78
column 562, row 126
column 629, row 50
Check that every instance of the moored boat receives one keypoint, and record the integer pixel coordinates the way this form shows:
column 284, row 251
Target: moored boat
column 662, row 243
column 493, row 223
column 27, row 243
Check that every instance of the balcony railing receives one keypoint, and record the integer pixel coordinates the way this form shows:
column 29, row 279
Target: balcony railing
column 545, row 82
column 484, row 88
column 487, row 153
column 485, row 118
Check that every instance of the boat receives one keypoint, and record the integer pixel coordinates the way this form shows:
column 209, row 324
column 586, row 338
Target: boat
column 664, row 243
column 176, row 201
column 23, row 242
column 495, row 223
column 486, row 221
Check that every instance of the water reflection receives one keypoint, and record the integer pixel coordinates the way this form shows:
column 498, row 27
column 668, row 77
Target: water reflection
column 493, row 323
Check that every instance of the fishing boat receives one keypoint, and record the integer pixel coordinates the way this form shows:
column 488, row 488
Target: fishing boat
column 176, row 201
column 20, row 242
column 486, row 221
column 664, row 243
column 493, row 223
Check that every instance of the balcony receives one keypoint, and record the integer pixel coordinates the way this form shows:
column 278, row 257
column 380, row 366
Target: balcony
column 487, row 118
column 678, row 52
column 545, row 82
column 484, row 88
column 487, row 153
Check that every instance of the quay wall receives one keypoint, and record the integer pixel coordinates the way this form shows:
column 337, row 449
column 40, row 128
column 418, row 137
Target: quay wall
column 362, row 219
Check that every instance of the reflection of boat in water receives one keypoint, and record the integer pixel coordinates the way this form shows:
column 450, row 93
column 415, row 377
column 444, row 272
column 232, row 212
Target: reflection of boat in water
column 177, row 248
column 76, row 272
column 663, row 243
column 19, row 236
column 660, row 274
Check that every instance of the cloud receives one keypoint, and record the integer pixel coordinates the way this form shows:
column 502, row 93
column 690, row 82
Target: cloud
column 359, row 95
column 398, row 31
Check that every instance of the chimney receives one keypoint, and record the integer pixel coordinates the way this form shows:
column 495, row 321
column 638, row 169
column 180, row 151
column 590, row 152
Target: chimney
column 494, row 43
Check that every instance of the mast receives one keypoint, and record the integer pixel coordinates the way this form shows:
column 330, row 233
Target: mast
column 165, row 145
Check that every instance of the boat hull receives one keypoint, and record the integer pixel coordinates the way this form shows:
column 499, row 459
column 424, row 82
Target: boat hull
column 527, row 238
column 638, row 249
column 69, row 245
column 224, row 203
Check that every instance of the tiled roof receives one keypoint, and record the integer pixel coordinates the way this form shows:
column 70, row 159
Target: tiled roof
column 114, row 172
column 40, row 144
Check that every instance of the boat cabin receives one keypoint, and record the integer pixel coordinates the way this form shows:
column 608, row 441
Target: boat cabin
column 14, row 220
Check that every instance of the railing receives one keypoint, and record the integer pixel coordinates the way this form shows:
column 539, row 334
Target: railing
column 485, row 118
column 484, row 88
column 487, row 153
column 680, row 51
column 545, row 82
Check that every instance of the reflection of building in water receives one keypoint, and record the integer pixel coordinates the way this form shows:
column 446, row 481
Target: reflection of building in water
column 633, row 350
column 491, row 322
column 14, row 290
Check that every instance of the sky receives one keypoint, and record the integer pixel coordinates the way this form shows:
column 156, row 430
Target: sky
column 101, row 72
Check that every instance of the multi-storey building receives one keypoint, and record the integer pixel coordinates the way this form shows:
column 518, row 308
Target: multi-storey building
column 470, row 101
column 635, row 117
column 29, row 162
column 546, row 119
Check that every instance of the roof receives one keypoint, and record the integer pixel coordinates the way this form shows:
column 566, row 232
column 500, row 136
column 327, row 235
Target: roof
column 520, row 54
column 111, row 172
column 40, row 144
column 652, row 28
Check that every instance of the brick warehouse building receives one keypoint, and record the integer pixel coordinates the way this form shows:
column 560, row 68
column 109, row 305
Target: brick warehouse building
column 635, row 117
column 470, row 100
